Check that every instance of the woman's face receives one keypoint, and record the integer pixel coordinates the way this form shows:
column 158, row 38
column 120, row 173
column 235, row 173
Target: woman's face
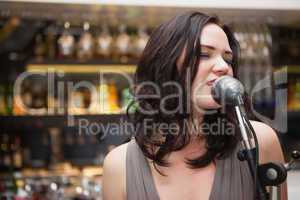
column 215, row 61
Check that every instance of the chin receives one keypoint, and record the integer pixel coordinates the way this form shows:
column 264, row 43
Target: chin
column 207, row 104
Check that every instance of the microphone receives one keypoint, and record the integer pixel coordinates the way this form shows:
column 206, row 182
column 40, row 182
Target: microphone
column 228, row 91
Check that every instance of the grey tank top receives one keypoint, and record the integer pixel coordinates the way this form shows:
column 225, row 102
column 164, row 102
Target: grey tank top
column 232, row 178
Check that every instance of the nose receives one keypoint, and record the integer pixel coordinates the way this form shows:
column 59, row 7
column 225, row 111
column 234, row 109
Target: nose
column 221, row 67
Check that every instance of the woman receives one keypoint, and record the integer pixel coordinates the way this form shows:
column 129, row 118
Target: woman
column 187, row 158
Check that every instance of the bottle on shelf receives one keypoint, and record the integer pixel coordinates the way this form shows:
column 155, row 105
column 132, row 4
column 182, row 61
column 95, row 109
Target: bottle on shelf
column 103, row 98
column 26, row 156
column 56, row 144
column 2, row 153
column 294, row 94
column 21, row 193
column 104, row 43
column 23, row 101
column 122, row 45
column 66, row 43
column 40, row 48
column 50, row 43
column 296, row 105
column 17, row 108
column 113, row 98
column 291, row 92
column 3, row 149
column 85, row 45
column 76, row 103
column 94, row 105
column 6, row 151
column 2, row 100
column 52, row 105
column 17, row 153
column 9, row 98
column 140, row 42
column 39, row 99
column 127, row 99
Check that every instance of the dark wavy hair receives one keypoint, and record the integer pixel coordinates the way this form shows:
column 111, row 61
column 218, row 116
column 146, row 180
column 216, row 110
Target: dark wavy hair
column 158, row 65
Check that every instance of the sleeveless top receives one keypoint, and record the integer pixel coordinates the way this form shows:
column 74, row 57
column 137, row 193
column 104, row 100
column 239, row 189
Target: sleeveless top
column 232, row 179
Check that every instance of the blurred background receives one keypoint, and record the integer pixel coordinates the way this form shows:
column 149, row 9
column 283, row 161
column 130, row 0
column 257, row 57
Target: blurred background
column 53, row 52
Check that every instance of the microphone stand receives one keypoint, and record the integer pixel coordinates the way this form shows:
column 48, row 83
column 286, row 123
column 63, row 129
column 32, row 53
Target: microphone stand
column 249, row 154
column 268, row 174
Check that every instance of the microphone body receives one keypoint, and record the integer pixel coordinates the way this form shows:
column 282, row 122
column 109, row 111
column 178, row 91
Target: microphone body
column 228, row 91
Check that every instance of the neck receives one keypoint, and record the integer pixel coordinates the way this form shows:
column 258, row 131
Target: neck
column 196, row 146
column 197, row 143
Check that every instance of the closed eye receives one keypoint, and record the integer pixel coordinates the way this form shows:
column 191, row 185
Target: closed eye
column 204, row 55
column 229, row 62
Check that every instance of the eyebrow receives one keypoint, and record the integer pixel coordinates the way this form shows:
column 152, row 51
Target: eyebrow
column 213, row 48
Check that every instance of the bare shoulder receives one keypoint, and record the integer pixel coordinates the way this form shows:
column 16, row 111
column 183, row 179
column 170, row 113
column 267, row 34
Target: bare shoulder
column 270, row 148
column 270, row 151
column 116, row 157
column 114, row 174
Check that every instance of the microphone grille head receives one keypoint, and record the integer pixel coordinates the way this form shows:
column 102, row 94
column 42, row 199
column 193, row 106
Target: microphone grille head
column 227, row 90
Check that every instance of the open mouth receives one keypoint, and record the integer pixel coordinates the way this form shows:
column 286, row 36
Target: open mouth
column 211, row 82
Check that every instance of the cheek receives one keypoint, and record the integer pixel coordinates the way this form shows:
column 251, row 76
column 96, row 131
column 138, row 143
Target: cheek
column 199, row 84
column 202, row 98
column 200, row 91
column 204, row 69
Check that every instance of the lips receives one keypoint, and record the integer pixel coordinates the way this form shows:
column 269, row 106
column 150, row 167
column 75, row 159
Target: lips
column 211, row 82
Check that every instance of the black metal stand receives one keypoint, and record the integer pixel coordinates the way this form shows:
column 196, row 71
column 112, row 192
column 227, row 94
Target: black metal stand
column 269, row 174
column 249, row 153
column 250, row 157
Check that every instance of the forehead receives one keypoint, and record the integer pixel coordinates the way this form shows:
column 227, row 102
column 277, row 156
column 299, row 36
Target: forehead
column 213, row 35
